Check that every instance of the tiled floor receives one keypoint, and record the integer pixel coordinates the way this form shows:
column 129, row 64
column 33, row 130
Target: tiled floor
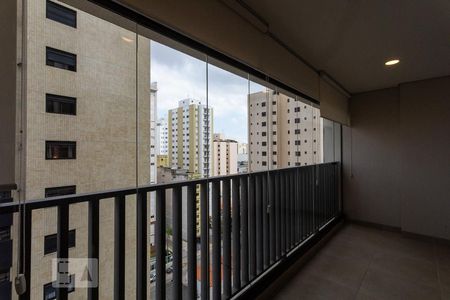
column 365, row 263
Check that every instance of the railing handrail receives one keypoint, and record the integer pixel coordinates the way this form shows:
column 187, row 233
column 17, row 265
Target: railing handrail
column 86, row 197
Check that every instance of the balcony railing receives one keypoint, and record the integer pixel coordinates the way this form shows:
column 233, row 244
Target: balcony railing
column 258, row 220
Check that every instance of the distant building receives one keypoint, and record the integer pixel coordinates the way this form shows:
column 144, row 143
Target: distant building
column 153, row 133
column 190, row 128
column 225, row 156
column 283, row 132
column 162, row 137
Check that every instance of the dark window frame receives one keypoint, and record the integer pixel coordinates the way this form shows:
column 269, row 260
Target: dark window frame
column 58, row 64
column 48, row 288
column 48, row 144
column 52, row 98
column 71, row 188
column 50, row 241
column 63, row 13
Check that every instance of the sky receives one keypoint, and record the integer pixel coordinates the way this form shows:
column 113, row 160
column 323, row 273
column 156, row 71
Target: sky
column 180, row 76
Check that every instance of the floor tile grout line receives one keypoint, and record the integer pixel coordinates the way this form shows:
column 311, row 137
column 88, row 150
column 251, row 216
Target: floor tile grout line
column 436, row 261
column 364, row 277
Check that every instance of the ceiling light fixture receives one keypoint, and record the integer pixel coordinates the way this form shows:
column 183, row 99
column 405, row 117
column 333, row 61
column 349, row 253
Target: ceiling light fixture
column 128, row 40
column 392, row 62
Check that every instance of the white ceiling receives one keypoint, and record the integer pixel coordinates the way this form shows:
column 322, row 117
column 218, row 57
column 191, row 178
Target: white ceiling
column 351, row 39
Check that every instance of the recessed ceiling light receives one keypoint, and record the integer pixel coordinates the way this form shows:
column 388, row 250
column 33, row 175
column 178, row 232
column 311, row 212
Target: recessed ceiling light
column 128, row 40
column 392, row 62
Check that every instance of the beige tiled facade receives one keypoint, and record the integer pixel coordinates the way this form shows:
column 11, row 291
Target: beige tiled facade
column 111, row 129
column 284, row 132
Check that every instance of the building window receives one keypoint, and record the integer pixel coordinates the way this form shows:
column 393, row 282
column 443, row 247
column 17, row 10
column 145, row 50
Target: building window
column 50, row 291
column 60, row 104
column 297, row 120
column 264, row 163
column 297, row 109
column 263, row 104
column 264, row 153
column 263, row 124
column 61, row 59
column 263, row 133
column 297, row 131
column 61, row 14
column 51, row 242
column 60, row 191
column 60, row 150
column 263, row 114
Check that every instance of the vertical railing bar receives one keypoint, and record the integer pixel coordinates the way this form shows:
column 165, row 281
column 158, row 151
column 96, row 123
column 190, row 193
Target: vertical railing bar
column 204, row 239
column 271, row 186
column 62, row 245
column 244, row 233
column 282, row 212
column 293, row 208
column 266, row 245
column 141, row 249
column 177, row 242
column 160, row 243
column 216, row 253
column 119, row 247
column 226, row 204
column 252, row 226
column 93, row 240
column 288, row 210
column 25, row 248
column 192, row 242
column 277, row 216
column 236, row 231
column 258, row 219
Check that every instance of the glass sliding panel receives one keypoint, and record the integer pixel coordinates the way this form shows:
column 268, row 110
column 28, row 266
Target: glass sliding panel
column 181, row 128
column 227, row 99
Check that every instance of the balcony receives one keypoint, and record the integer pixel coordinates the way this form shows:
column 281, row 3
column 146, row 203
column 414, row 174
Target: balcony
column 258, row 221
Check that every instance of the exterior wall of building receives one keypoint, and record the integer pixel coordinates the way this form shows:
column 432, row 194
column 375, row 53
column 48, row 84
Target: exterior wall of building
column 284, row 132
column 108, row 115
column 162, row 146
column 153, row 132
column 189, row 137
column 225, row 157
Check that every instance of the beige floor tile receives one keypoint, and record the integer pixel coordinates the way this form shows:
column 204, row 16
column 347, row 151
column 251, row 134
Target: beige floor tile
column 315, row 287
column 382, row 285
column 409, row 269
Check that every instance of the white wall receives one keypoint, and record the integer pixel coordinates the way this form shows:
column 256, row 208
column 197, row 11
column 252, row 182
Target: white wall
column 396, row 158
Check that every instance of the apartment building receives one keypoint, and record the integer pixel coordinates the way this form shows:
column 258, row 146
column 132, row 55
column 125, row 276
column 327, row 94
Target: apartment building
column 162, row 137
column 283, row 131
column 190, row 128
column 225, row 153
column 80, row 113
column 153, row 130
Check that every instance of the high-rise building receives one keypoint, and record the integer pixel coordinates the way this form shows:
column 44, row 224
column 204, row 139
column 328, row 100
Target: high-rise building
column 153, row 130
column 225, row 156
column 283, row 132
column 190, row 128
column 162, row 137
column 83, row 129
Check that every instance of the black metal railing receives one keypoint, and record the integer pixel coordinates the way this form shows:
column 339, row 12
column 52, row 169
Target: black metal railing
column 255, row 221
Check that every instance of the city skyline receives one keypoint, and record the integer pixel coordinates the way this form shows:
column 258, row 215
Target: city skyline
column 180, row 76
